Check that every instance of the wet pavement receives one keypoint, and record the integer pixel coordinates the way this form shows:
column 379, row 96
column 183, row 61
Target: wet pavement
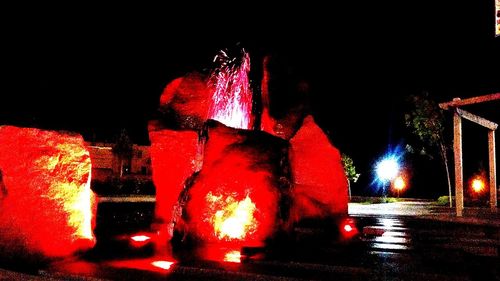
column 426, row 209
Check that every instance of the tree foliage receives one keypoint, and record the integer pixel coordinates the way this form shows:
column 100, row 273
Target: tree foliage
column 123, row 149
column 123, row 146
column 426, row 121
column 349, row 168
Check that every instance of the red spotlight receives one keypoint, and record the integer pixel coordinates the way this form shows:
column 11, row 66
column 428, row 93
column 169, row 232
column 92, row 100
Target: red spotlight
column 140, row 240
column 162, row 264
column 348, row 229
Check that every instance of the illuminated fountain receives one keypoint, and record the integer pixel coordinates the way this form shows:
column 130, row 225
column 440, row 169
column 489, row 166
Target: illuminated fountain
column 231, row 102
column 227, row 175
column 47, row 208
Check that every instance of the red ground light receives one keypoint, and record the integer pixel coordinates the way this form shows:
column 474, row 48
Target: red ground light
column 47, row 206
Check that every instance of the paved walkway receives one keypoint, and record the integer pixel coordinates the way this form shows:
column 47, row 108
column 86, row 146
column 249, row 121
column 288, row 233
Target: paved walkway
column 427, row 210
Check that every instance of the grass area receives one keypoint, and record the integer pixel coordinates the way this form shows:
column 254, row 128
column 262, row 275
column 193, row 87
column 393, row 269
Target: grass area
column 378, row 200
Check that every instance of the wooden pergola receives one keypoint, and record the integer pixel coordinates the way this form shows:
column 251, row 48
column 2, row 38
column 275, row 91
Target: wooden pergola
column 458, row 114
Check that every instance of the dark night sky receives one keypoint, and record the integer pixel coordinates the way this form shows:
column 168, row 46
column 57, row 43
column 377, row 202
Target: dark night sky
column 99, row 69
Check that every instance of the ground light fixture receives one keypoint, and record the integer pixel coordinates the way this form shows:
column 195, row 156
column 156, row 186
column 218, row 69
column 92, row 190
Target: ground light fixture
column 399, row 184
column 477, row 185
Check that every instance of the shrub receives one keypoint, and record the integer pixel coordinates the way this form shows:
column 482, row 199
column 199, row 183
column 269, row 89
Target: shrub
column 444, row 200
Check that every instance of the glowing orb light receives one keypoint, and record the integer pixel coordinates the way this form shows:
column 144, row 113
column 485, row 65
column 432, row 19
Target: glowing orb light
column 399, row 183
column 477, row 185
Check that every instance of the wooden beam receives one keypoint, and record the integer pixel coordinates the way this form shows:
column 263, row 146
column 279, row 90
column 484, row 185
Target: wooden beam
column 493, row 170
column 456, row 102
column 477, row 119
column 459, row 178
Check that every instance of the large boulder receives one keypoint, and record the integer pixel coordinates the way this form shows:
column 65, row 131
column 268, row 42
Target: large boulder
column 46, row 205
column 319, row 181
column 185, row 101
column 236, row 196
column 175, row 157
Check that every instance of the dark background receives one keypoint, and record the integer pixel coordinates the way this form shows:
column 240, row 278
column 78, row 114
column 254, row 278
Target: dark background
column 96, row 69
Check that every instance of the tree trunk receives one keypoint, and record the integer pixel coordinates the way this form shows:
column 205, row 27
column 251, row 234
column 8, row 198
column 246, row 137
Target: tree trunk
column 121, row 166
column 444, row 157
column 349, row 188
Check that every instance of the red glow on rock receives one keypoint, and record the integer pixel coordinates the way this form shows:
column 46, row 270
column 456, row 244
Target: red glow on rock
column 234, row 198
column 48, row 207
column 220, row 253
column 233, row 219
column 231, row 102
column 233, row 256
column 320, row 184
column 174, row 157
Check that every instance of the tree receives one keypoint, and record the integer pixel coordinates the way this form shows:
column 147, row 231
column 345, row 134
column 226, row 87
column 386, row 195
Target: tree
column 350, row 171
column 122, row 149
column 426, row 121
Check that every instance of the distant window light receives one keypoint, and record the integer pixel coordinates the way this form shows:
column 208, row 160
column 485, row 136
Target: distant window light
column 126, row 170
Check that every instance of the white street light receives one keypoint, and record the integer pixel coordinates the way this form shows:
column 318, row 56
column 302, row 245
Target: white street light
column 387, row 169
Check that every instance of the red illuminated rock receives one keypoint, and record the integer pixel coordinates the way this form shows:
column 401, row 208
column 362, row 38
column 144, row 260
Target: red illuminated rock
column 319, row 182
column 185, row 101
column 46, row 206
column 235, row 198
column 174, row 157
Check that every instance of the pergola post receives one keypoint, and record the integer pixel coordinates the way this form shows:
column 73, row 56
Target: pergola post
column 457, row 149
column 493, row 167
column 458, row 114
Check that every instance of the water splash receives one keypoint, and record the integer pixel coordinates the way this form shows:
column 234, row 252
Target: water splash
column 232, row 98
